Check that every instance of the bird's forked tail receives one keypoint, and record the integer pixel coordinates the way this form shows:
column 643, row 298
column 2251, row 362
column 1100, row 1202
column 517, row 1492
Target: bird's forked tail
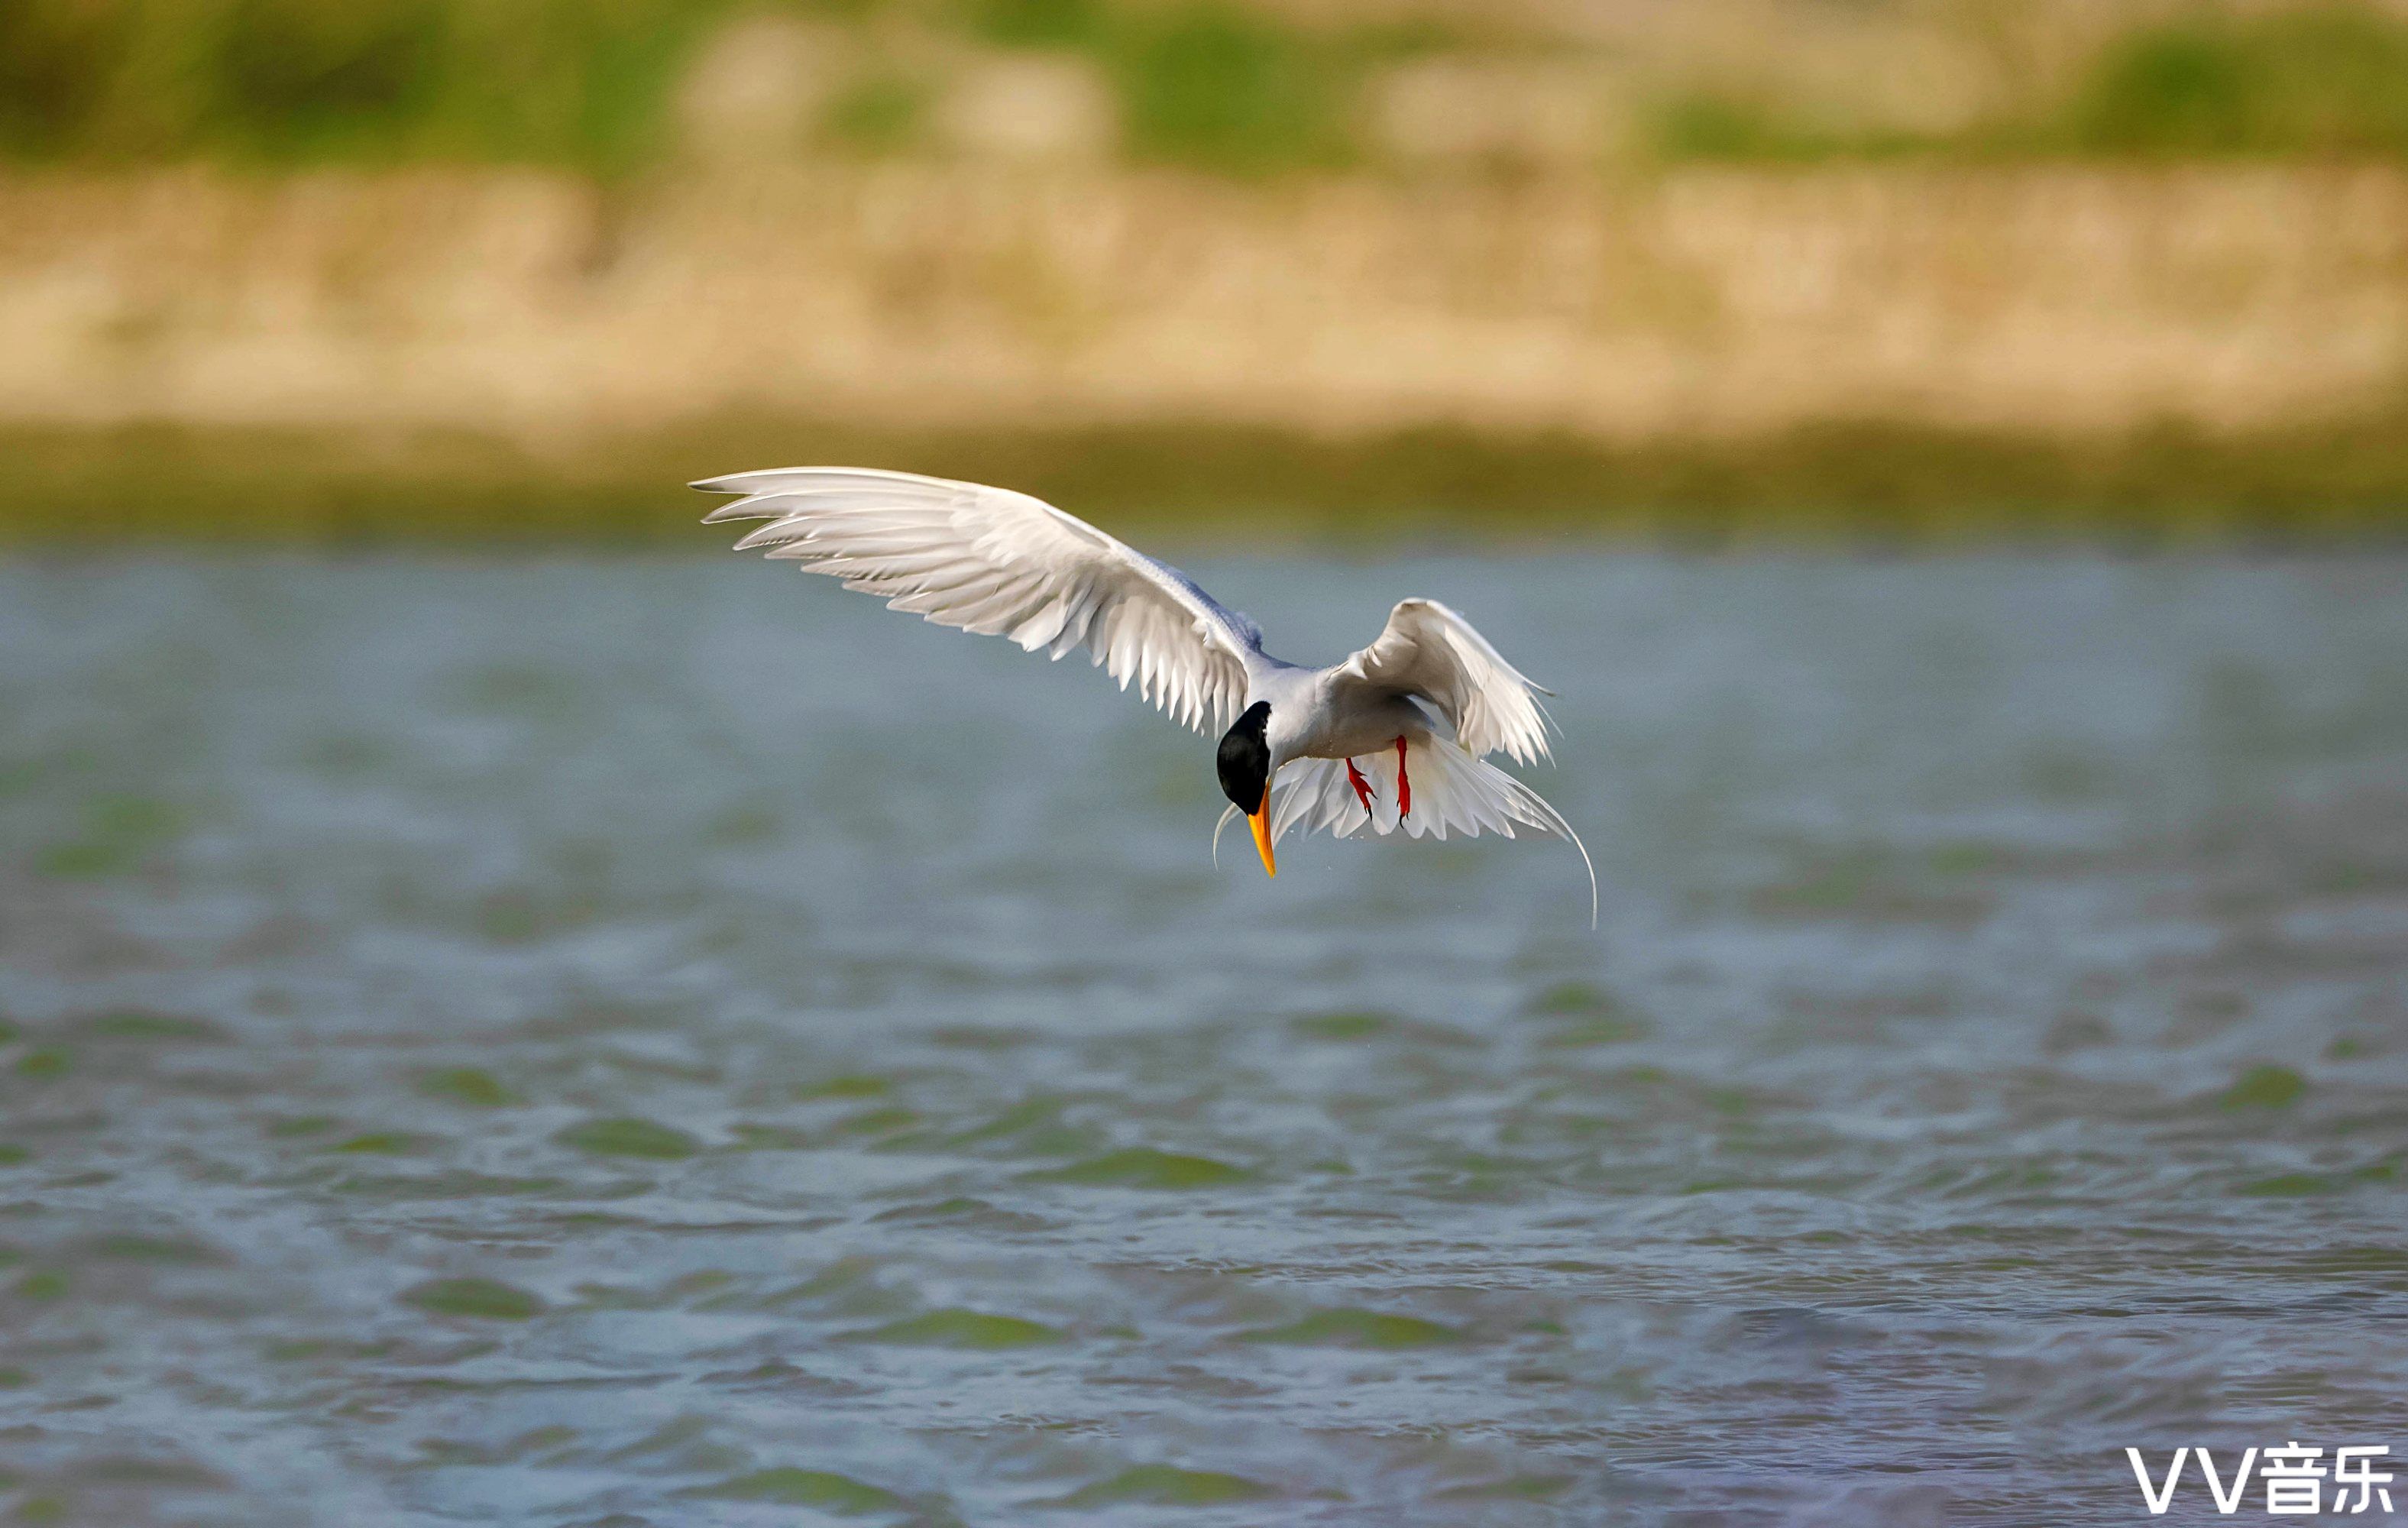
column 1453, row 791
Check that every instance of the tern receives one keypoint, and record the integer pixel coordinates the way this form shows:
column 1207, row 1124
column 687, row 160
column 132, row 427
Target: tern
column 1394, row 737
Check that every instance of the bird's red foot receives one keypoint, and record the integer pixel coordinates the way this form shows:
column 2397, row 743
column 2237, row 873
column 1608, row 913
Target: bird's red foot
column 1404, row 786
column 1362, row 786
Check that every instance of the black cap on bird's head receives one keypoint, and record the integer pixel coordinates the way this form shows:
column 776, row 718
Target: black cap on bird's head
column 1245, row 764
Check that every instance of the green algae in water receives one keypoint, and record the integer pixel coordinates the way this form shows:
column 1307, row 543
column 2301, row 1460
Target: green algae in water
column 468, row 1085
column 1605, row 1029
column 2265, row 1088
column 705, row 1288
column 853, row 1086
column 1355, row 1025
column 1348, row 1327
column 759, row 1137
column 1142, row 1168
column 161, row 1250
column 1515, row 1488
column 1587, row 1015
column 1033, row 1127
column 452, row 1184
column 44, row 1062
column 120, row 832
column 628, row 1138
column 1166, row 1485
column 379, row 1143
column 789, row 1487
column 1571, row 1000
column 742, row 827
column 13, row 1156
column 86, row 859
column 2294, row 1186
column 2312, row 1185
column 939, row 1211
column 142, row 1026
column 42, row 1284
column 303, row 1350
column 954, row 1328
column 483, row 1299
column 884, row 1121
column 153, row 1473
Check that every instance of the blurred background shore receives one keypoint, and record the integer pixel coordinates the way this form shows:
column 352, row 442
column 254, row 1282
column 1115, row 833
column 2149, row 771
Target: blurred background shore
column 514, row 268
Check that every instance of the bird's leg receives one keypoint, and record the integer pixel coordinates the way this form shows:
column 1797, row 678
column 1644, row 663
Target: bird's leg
column 1404, row 786
column 1362, row 786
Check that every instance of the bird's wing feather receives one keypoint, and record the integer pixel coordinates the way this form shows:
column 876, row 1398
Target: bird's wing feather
column 1429, row 650
column 1001, row 563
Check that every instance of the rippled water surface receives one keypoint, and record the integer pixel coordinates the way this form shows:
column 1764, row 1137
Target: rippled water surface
column 625, row 1042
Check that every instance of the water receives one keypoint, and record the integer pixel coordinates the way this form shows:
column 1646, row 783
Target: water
column 553, row 1044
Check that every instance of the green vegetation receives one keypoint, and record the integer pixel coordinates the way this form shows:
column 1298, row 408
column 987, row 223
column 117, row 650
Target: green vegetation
column 2331, row 81
column 1208, row 82
column 1036, row 23
column 1224, row 85
column 1913, row 484
column 881, row 112
column 567, row 82
column 1717, row 125
column 2313, row 81
column 588, row 83
column 1218, row 86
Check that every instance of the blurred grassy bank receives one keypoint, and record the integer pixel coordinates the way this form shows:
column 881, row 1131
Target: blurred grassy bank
column 511, row 269
column 1237, row 86
column 2339, row 482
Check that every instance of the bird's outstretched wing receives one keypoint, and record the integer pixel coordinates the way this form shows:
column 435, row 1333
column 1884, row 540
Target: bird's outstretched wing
column 1430, row 652
column 1001, row 563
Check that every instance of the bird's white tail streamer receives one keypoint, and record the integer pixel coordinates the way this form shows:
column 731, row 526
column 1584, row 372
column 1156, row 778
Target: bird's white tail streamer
column 1227, row 812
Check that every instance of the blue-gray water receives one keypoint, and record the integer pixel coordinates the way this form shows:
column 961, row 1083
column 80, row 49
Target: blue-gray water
column 622, row 1042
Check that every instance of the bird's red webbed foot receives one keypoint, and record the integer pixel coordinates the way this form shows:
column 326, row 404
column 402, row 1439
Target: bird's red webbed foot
column 1404, row 785
column 1362, row 786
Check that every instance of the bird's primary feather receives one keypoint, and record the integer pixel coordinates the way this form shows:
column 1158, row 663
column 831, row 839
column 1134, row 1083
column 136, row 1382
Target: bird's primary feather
column 1001, row 563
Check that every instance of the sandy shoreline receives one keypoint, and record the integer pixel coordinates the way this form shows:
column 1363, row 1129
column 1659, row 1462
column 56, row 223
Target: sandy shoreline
column 471, row 354
column 2079, row 302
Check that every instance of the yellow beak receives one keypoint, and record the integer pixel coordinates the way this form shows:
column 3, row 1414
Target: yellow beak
column 1261, row 823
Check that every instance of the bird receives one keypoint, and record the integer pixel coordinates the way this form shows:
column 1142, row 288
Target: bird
column 1393, row 739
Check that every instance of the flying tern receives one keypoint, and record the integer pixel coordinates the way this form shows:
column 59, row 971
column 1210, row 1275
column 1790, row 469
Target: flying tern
column 1394, row 737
